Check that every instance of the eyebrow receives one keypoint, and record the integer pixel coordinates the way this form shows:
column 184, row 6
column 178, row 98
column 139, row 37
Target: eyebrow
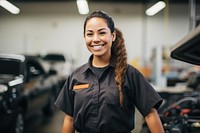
column 98, row 30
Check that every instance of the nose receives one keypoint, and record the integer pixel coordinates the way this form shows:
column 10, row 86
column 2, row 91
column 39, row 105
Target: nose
column 96, row 38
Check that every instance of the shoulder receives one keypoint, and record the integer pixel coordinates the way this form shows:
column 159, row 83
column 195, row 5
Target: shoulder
column 134, row 73
column 132, row 70
column 75, row 75
column 79, row 70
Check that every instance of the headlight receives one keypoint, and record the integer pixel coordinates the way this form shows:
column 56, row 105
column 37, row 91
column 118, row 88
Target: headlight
column 3, row 88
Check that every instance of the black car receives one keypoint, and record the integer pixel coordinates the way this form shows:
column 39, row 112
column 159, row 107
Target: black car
column 25, row 88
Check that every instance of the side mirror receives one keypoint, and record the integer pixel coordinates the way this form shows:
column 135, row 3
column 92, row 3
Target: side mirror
column 33, row 72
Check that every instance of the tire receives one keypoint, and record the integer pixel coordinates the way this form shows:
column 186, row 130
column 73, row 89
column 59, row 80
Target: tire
column 17, row 125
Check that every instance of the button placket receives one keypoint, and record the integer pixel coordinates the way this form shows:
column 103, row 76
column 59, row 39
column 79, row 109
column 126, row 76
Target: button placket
column 95, row 101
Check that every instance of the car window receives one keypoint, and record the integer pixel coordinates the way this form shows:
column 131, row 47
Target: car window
column 54, row 57
column 10, row 67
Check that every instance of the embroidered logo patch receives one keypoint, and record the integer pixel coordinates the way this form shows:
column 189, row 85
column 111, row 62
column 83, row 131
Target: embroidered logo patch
column 82, row 86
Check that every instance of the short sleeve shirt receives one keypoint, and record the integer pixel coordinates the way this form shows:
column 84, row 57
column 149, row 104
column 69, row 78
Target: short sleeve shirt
column 94, row 103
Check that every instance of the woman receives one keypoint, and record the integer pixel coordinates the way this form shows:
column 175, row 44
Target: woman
column 101, row 95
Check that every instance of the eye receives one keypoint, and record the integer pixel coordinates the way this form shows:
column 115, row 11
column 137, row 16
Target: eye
column 89, row 34
column 102, row 33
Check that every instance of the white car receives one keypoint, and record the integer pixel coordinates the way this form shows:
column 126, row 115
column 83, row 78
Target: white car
column 60, row 63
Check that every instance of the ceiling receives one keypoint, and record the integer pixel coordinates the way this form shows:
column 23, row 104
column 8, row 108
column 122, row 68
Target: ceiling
column 116, row 1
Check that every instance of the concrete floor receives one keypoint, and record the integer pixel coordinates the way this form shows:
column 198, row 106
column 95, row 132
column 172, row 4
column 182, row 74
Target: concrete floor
column 40, row 124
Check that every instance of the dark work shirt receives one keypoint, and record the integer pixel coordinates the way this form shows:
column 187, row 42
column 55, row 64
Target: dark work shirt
column 93, row 101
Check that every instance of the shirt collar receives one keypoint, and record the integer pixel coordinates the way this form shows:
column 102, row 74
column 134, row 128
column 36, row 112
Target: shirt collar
column 88, row 66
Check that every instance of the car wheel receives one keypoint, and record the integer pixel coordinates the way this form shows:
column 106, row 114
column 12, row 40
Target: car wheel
column 18, row 122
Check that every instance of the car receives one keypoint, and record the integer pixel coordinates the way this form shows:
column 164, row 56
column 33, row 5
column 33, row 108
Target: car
column 25, row 88
column 60, row 63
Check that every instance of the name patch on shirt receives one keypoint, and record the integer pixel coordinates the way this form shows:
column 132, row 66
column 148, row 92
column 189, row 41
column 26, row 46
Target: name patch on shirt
column 82, row 86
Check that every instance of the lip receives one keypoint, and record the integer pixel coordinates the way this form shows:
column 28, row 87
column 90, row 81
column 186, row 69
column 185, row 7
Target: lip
column 97, row 47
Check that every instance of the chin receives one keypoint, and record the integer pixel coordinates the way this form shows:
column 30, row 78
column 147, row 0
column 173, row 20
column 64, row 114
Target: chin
column 97, row 54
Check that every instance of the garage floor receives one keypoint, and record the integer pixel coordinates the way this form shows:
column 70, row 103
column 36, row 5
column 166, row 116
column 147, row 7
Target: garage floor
column 40, row 124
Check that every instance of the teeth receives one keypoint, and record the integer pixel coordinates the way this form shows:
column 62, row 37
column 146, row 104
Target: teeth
column 97, row 47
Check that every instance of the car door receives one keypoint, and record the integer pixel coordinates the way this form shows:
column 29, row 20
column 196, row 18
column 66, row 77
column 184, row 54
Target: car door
column 37, row 87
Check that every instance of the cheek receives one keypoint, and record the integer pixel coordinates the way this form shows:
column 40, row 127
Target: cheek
column 87, row 41
column 109, row 38
column 110, row 41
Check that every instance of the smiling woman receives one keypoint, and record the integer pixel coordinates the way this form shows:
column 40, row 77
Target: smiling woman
column 100, row 96
column 99, row 38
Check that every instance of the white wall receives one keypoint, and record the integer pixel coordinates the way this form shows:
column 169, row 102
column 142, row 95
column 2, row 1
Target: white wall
column 57, row 27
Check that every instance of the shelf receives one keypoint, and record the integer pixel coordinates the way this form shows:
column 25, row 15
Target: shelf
column 188, row 48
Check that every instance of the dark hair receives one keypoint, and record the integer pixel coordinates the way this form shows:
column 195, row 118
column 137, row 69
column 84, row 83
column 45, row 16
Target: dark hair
column 118, row 49
column 101, row 14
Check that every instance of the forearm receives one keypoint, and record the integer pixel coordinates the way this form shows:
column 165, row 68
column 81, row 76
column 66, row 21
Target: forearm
column 153, row 122
column 68, row 125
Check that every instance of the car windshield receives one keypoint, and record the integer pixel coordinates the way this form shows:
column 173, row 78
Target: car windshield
column 54, row 57
column 10, row 67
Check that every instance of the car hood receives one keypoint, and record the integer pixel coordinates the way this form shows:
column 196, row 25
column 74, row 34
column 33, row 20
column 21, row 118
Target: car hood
column 188, row 48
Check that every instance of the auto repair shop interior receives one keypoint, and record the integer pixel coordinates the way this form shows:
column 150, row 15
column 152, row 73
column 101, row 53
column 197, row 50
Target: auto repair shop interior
column 41, row 43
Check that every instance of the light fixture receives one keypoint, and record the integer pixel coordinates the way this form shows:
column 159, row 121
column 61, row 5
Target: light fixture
column 9, row 6
column 83, row 7
column 155, row 8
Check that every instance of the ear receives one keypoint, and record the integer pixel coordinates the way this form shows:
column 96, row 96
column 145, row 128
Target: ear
column 114, row 36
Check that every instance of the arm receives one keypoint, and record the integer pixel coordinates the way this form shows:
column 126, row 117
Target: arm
column 153, row 122
column 68, row 125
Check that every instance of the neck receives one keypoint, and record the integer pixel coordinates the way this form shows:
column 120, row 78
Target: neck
column 101, row 61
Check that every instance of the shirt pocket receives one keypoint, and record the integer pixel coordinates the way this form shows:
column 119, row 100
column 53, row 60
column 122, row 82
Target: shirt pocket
column 82, row 95
column 113, row 96
column 82, row 91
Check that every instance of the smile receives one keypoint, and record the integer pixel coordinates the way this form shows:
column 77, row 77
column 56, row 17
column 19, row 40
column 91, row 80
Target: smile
column 97, row 47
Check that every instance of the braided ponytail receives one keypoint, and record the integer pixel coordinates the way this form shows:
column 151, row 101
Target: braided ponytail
column 119, row 52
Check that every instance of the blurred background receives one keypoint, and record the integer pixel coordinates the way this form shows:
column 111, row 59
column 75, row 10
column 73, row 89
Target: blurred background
column 51, row 31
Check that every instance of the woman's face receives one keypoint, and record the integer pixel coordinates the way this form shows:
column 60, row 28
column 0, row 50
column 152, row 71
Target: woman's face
column 98, row 37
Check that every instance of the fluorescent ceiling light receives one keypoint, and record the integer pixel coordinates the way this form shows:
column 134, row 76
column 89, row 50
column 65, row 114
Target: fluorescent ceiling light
column 155, row 8
column 9, row 6
column 83, row 7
